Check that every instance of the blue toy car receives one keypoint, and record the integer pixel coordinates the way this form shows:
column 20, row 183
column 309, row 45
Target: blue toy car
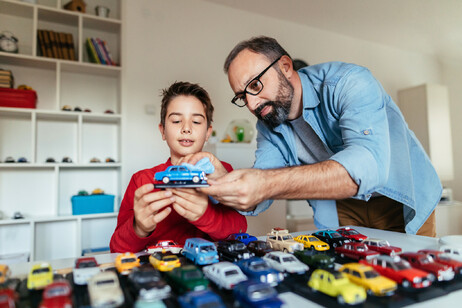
column 251, row 293
column 181, row 175
column 243, row 237
column 257, row 269
column 204, row 298
column 200, row 251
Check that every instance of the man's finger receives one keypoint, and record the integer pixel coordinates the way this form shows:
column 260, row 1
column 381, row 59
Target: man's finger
column 142, row 190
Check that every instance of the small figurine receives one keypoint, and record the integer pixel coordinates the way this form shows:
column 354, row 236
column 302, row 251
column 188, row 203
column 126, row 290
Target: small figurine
column 82, row 193
column 109, row 111
column 95, row 160
column 22, row 160
column 87, row 110
column 18, row 215
column 76, row 5
column 67, row 159
column 9, row 159
column 66, row 108
column 78, row 109
column 50, row 160
column 110, row 160
column 97, row 191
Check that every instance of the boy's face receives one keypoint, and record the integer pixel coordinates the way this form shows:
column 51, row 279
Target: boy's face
column 185, row 127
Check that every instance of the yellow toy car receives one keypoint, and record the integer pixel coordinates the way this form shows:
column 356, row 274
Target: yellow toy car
column 125, row 262
column 368, row 278
column 40, row 276
column 336, row 284
column 4, row 273
column 312, row 242
column 164, row 262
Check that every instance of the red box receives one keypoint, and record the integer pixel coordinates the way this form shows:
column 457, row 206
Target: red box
column 17, row 98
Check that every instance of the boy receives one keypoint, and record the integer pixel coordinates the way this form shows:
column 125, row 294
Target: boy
column 148, row 215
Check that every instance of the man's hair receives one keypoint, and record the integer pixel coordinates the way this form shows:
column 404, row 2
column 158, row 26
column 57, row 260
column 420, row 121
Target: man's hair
column 186, row 89
column 264, row 45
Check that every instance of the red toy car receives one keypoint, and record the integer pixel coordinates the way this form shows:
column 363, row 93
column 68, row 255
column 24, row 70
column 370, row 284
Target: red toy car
column 382, row 246
column 165, row 246
column 352, row 234
column 400, row 271
column 57, row 294
column 8, row 298
column 426, row 263
column 356, row 251
column 443, row 258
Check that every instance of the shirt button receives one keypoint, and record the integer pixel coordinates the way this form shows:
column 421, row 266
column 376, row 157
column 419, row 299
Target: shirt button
column 366, row 132
column 368, row 196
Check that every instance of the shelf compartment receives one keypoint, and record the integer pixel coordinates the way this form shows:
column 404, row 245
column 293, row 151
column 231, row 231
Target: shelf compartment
column 15, row 239
column 52, row 239
column 72, row 180
column 112, row 5
column 109, row 33
column 103, row 226
column 15, row 134
column 14, row 16
column 57, row 137
column 37, row 196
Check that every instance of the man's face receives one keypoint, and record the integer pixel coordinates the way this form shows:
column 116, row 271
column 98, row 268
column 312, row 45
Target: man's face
column 272, row 104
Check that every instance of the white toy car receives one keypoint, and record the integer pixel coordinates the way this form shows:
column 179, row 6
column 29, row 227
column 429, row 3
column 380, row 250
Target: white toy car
column 84, row 269
column 224, row 274
column 452, row 252
column 104, row 290
column 285, row 262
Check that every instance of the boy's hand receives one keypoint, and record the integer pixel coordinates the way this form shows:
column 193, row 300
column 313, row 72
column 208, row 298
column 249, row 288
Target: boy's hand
column 147, row 207
column 190, row 203
column 194, row 158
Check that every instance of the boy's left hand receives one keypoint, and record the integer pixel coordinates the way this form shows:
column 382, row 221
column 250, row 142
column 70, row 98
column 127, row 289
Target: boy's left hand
column 190, row 203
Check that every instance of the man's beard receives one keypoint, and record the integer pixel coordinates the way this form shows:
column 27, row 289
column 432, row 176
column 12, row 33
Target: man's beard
column 281, row 104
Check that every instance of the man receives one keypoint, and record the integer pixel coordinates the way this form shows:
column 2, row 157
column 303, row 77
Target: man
column 329, row 134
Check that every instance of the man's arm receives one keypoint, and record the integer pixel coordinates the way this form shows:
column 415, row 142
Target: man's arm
column 244, row 189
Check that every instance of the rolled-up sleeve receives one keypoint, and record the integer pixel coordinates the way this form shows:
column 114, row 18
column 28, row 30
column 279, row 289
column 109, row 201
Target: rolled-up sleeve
column 361, row 110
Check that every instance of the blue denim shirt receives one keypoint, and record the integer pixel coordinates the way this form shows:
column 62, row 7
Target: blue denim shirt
column 363, row 130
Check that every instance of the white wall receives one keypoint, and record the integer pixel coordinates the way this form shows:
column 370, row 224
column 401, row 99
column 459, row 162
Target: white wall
column 165, row 41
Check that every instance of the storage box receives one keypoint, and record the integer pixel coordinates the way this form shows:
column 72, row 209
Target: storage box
column 92, row 204
column 17, row 98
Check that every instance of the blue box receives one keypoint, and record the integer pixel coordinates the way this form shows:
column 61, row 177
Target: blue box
column 92, row 204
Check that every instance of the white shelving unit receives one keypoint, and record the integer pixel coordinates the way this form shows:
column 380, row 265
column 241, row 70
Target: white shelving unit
column 41, row 191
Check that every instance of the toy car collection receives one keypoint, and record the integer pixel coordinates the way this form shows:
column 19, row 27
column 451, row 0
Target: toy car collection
column 355, row 250
column 281, row 239
column 443, row 258
column 333, row 238
column 336, row 284
column 369, row 279
column 312, row 242
column 315, row 259
column 224, row 274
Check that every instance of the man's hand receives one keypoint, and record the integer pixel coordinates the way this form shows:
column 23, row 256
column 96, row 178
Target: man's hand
column 194, row 158
column 148, row 207
column 189, row 203
column 240, row 189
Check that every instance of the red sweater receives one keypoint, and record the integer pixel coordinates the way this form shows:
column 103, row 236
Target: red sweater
column 217, row 222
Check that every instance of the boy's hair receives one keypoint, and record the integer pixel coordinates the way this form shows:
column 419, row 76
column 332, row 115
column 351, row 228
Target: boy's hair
column 264, row 45
column 186, row 89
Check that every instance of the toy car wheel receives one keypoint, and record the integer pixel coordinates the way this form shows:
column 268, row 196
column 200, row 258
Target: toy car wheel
column 406, row 283
column 370, row 292
column 195, row 179
column 342, row 255
column 334, row 244
column 311, row 247
column 165, row 179
column 341, row 300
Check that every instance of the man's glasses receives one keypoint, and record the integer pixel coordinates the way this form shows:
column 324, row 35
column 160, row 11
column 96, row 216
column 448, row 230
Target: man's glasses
column 254, row 87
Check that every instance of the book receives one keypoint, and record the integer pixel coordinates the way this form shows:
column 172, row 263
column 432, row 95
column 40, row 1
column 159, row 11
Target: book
column 92, row 56
column 64, row 45
column 41, row 43
column 106, row 49
column 108, row 59
column 46, row 39
column 54, row 45
column 101, row 58
column 70, row 44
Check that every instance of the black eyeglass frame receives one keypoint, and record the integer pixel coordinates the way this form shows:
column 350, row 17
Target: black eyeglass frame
column 236, row 97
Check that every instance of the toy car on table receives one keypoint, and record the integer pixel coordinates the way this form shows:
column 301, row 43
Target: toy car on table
column 315, row 259
column 331, row 237
column 165, row 246
column 382, row 246
column 312, row 242
column 356, row 250
column 439, row 272
column 369, row 279
column 281, row 239
column 352, row 234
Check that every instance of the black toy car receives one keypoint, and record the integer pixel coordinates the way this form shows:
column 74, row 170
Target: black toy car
column 259, row 248
column 331, row 237
column 233, row 250
column 148, row 283
column 315, row 259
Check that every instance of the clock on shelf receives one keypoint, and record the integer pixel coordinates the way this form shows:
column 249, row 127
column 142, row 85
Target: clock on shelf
column 8, row 42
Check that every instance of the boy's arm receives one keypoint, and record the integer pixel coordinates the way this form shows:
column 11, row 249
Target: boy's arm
column 124, row 238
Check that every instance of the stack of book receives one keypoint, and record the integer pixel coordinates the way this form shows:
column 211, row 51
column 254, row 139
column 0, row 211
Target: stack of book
column 6, row 79
column 98, row 52
column 58, row 45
